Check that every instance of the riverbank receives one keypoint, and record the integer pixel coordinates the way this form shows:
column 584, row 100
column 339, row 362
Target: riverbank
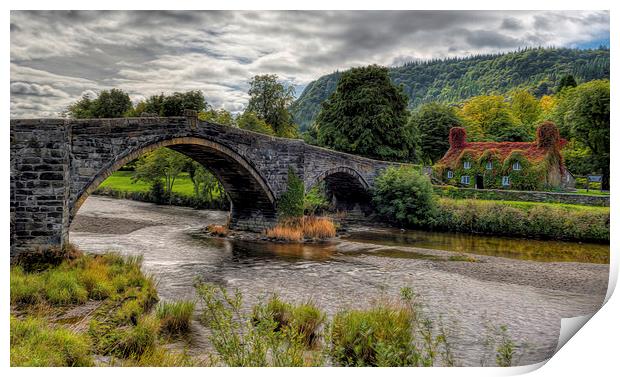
column 468, row 297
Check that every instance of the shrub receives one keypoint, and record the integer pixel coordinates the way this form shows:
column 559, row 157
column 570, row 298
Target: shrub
column 404, row 196
column 527, row 220
column 34, row 344
column 175, row 317
column 315, row 200
column 242, row 341
column 365, row 337
column 304, row 320
column 291, row 203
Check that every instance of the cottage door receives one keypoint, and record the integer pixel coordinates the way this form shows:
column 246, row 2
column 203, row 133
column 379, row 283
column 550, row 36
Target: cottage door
column 479, row 182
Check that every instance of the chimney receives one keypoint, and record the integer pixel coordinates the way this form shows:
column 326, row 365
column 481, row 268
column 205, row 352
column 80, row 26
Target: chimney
column 458, row 137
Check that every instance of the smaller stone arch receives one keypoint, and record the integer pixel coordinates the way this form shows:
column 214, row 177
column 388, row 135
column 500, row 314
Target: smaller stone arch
column 339, row 170
column 346, row 189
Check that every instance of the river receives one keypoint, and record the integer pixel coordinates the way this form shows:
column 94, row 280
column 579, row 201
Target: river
column 526, row 285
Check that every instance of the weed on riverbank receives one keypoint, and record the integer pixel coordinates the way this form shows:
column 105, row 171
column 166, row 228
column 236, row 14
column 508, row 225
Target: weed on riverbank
column 175, row 317
column 298, row 229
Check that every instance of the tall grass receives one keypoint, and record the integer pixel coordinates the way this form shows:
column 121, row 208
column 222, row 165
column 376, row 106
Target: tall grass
column 306, row 320
column 35, row 344
column 391, row 333
column 241, row 341
column 307, row 227
column 175, row 317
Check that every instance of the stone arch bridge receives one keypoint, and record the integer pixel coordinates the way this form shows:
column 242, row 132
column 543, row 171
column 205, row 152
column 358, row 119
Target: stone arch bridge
column 57, row 163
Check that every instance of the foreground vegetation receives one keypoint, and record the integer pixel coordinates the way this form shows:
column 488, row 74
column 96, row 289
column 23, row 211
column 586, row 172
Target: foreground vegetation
column 123, row 326
column 120, row 324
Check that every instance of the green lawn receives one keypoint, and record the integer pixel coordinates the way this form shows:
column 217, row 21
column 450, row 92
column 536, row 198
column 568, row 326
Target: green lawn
column 121, row 181
column 528, row 205
column 592, row 192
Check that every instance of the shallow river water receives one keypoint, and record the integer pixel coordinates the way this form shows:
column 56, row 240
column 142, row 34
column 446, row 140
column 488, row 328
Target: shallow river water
column 526, row 285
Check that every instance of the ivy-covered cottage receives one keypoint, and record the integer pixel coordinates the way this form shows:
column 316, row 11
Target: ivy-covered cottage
column 536, row 165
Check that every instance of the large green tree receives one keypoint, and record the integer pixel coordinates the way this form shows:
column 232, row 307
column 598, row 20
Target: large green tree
column 270, row 100
column 586, row 115
column 113, row 103
column 431, row 124
column 367, row 115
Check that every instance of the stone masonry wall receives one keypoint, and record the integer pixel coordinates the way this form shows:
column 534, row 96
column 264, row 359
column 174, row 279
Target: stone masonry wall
column 525, row 196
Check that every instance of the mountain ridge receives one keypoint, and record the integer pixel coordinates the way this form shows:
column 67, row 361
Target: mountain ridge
column 453, row 80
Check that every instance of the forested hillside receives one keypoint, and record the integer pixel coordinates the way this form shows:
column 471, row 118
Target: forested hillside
column 454, row 80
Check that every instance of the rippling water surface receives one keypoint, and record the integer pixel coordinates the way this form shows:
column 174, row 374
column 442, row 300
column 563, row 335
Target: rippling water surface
column 538, row 283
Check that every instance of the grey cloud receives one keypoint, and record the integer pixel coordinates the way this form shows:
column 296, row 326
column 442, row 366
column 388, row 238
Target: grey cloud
column 146, row 52
column 25, row 88
column 512, row 23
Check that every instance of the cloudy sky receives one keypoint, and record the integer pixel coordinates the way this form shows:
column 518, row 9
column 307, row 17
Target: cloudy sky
column 58, row 56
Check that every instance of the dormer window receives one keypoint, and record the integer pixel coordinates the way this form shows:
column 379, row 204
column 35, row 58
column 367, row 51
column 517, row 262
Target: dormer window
column 516, row 165
column 450, row 174
column 466, row 165
column 489, row 165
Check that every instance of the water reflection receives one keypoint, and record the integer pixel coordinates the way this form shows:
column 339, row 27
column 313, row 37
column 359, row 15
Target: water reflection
column 536, row 250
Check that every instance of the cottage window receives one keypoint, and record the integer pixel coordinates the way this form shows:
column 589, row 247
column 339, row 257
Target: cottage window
column 489, row 165
column 450, row 174
column 465, row 179
column 505, row 181
column 516, row 165
column 466, row 165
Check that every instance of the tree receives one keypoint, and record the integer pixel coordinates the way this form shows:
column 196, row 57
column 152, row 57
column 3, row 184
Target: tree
column 432, row 123
column 589, row 122
column 404, row 196
column 81, row 109
column 206, row 186
column 113, row 103
column 270, row 100
column 160, row 165
column 487, row 118
column 291, row 202
column 249, row 121
column 219, row 116
column 567, row 81
column 175, row 104
column 525, row 108
column 367, row 115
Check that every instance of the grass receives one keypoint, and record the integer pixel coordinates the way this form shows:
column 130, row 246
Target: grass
column 75, row 281
column 526, row 219
column 175, row 317
column 591, row 192
column 121, row 181
column 308, row 227
column 217, row 230
column 36, row 344
column 305, row 320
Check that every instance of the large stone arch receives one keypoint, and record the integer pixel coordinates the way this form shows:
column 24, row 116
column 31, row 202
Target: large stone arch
column 252, row 199
column 345, row 187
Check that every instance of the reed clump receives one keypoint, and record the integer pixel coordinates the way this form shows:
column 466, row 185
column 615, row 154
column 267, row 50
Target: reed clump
column 298, row 229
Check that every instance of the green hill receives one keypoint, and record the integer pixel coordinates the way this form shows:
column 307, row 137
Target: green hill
column 453, row 80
